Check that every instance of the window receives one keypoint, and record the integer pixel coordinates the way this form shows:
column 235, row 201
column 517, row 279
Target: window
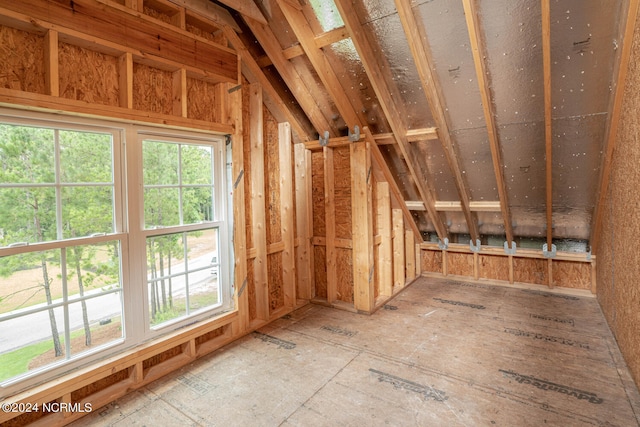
column 60, row 273
column 75, row 231
column 182, row 228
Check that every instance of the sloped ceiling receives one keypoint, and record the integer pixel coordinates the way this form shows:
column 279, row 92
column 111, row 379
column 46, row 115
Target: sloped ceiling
column 499, row 112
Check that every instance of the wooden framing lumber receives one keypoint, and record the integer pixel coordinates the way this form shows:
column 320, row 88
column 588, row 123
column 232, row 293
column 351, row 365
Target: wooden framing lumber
column 51, row 68
column 414, row 135
column 330, row 224
column 130, row 362
column 421, row 53
column 180, row 92
column 210, row 11
column 321, row 40
column 300, row 26
column 380, row 139
column 482, row 206
column 527, row 266
column 384, row 230
column 258, row 202
column 252, row 71
column 289, row 73
column 362, row 226
column 410, row 259
column 479, row 55
column 546, row 60
column 612, row 125
column 36, row 102
column 234, row 110
column 247, row 8
column 381, row 164
column 399, row 268
column 329, row 37
column 286, row 214
column 144, row 34
column 385, row 94
column 304, row 219
column 125, row 80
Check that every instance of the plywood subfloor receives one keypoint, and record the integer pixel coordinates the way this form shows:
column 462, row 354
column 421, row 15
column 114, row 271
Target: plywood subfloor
column 441, row 353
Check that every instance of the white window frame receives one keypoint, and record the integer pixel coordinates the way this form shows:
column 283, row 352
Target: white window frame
column 220, row 209
column 130, row 232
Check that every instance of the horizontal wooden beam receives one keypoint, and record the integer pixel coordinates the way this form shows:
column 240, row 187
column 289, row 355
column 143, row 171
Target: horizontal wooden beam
column 380, row 139
column 520, row 253
column 414, row 135
column 35, row 102
column 132, row 29
column 321, row 40
column 484, row 206
column 385, row 138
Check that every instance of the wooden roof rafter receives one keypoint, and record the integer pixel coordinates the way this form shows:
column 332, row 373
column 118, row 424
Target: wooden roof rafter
column 385, row 94
column 612, row 125
column 416, row 35
column 246, row 8
column 253, row 70
column 306, row 36
column 289, row 73
column 478, row 49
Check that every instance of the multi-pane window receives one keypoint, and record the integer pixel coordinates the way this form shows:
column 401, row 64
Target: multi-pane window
column 183, row 228
column 83, row 246
column 60, row 261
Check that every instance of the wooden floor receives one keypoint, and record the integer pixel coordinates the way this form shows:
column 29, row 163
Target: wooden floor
column 442, row 353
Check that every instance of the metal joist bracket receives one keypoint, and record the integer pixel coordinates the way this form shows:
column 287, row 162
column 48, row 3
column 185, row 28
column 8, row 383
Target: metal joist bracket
column 355, row 136
column 549, row 253
column 444, row 245
column 510, row 251
column 324, row 141
column 476, row 247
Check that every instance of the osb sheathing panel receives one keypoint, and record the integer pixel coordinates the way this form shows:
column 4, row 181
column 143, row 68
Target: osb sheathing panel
column 530, row 270
column 431, row 261
column 605, row 290
column 317, row 185
column 272, row 178
column 618, row 269
column 569, row 274
column 460, row 264
column 162, row 357
column 21, row 60
column 201, row 100
column 493, row 267
column 276, row 292
column 152, row 89
column 88, row 390
column 344, row 270
column 320, row 271
column 157, row 14
column 88, row 76
column 342, row 189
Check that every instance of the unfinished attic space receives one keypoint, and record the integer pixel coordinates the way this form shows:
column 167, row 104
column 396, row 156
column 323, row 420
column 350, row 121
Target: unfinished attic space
column 319, row 212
